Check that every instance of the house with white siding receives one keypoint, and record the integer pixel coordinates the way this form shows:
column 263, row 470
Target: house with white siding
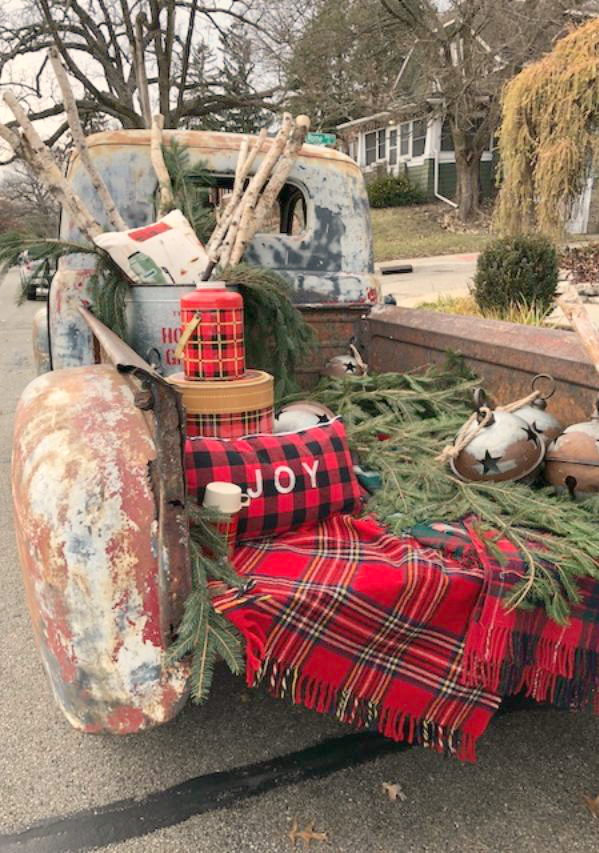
column 412, row 137
column 412, row 141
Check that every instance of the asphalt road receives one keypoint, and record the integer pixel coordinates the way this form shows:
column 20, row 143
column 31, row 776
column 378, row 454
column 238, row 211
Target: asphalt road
column 524, row 794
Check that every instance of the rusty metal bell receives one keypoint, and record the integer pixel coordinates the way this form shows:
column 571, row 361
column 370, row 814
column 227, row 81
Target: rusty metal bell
column 535, row 414
column 503, row 447
column 342, row 366
column 572, row 460
column 301, row 414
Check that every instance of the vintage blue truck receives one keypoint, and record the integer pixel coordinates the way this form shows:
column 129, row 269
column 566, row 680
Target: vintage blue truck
column 98, row 479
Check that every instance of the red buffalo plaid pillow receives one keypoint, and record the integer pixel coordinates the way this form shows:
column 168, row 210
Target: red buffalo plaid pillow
column 291, row 478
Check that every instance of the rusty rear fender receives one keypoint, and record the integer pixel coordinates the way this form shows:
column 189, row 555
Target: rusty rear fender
column 96, row 569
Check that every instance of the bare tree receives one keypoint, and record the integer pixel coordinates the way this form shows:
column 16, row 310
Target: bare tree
column 124, row 55
column 26, row 202
column 468, row 51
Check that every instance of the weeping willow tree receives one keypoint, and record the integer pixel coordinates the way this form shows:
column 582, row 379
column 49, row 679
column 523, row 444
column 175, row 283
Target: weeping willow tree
column 549, row 135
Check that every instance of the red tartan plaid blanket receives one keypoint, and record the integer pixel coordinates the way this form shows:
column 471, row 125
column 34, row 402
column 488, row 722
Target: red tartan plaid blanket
column 347, row 619
column 521, row 650
column 405, row 635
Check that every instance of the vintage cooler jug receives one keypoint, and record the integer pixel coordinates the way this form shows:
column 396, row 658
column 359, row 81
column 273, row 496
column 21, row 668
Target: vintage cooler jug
column 211, row 339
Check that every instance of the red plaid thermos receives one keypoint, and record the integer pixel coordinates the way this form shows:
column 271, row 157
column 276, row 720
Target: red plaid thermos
column 211, row 342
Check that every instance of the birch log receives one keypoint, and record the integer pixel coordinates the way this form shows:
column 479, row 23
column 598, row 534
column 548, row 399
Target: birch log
column 167, row 199
column 70, row 106
column 588, row 333
column 273, row 188
column 140, row 72
column 242, row 157
column 241, row 221
column 220, row 231
column 40, row 158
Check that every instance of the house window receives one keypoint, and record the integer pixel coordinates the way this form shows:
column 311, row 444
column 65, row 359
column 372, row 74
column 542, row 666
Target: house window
column 404, row 140
column 382, row 145
column 418, row 137
column 392, row 147
column 370, row 140
column 446, row 137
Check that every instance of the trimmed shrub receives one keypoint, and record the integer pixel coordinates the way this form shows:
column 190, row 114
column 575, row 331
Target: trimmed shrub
column 516, row 271
column 393, row 191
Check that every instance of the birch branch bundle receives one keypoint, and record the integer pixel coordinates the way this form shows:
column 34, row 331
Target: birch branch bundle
column 33, row 150
column 246, row 211
column 70, row 106
column 261, row 210
column 240, row 221
column 241, row 173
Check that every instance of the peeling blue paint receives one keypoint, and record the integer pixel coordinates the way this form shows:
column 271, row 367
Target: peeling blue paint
column 332, row 260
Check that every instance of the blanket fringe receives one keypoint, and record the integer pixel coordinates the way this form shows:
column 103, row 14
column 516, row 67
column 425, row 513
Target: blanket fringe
column 291, row 684
column 506, row 662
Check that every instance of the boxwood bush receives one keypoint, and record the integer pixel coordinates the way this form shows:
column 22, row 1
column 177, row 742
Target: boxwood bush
column 393, row 191
column 516, row 271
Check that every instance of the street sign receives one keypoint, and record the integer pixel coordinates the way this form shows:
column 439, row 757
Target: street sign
column 321, row 138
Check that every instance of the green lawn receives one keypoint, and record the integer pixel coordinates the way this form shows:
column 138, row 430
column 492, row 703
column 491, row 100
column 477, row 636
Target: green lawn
column 415, row 232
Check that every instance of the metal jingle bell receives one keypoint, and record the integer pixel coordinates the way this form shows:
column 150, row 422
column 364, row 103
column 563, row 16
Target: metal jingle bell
column 342, row 366
column 572, row 460
column 535, row 413
column 302, row 414
column 503, row 447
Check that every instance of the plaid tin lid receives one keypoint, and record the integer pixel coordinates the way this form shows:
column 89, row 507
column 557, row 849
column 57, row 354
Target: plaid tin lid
column 253, row 391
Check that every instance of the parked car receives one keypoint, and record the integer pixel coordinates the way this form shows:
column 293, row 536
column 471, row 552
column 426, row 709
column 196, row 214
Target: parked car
column 35, row 277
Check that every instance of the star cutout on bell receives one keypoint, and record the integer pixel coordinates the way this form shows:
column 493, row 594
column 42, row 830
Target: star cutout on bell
column 350, row 367
column 489, row 463
column 323, row 419
column 531, row 435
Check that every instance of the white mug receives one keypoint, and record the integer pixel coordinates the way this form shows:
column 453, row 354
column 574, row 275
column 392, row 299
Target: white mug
column 225, row 497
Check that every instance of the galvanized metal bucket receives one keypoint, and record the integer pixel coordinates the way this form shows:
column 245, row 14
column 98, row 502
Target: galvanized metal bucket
column 154, row 323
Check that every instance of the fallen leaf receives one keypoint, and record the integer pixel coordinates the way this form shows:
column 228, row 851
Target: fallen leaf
column 306, row 835
column 592, row 804
column 394, row 792
column 293, row 833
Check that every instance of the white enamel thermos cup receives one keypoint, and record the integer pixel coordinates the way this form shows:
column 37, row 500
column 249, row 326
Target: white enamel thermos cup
column 227, row 499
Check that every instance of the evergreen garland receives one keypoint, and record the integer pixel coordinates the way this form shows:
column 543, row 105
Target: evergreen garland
column 420, row 415
column 205, row 634
column 109, row 290
column 277, row 338
column 186, row 177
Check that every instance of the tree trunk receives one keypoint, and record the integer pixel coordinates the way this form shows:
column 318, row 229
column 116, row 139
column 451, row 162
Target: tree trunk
column 468, row 183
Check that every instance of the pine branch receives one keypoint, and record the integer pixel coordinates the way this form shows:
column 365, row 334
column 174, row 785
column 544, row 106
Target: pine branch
column 205, row 634
column 277, row 338
column 559, row 540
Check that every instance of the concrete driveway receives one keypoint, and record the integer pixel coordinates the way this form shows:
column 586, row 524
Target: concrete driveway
column 445, row 274
column 242, row 763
